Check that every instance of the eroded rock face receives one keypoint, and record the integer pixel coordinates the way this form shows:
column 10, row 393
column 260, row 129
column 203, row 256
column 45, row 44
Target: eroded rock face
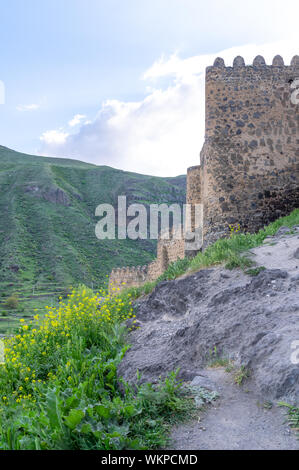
column 53, row 194
column 57, row 196
column 252, row 320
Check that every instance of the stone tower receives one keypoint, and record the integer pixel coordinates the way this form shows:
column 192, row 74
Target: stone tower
column 249, row 169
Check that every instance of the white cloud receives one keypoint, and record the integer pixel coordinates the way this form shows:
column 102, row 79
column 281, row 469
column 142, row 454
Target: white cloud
column 28, row 107
column 76, row 120
column 163, row 133
column 54, row 138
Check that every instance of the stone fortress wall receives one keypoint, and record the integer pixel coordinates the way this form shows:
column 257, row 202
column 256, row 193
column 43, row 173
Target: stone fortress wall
column 249, row 164
column 168, row 250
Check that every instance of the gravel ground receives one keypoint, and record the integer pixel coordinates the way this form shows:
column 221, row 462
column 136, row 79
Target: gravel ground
column 238, row 420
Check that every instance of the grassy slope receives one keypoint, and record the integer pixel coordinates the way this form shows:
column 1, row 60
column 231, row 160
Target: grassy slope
column 53, row 245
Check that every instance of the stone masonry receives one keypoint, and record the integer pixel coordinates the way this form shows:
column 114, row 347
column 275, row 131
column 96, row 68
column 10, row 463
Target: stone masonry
column 249, row 164
column 168, row 250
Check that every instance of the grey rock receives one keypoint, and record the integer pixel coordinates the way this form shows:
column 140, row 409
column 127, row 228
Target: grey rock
column 239, row 62
column 259, row 61
column 219, row 62
column 204, row 382
column 295, row 61
column 283, row 231
column 278, row 61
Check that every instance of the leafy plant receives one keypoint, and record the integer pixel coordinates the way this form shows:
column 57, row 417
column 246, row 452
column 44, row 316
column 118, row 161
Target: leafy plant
column 203, row 396
column 293, row 414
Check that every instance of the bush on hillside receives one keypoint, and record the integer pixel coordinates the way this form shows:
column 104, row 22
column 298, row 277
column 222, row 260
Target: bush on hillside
column 12, row 302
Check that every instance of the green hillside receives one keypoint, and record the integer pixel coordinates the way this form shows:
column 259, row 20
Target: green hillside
column 47, row 231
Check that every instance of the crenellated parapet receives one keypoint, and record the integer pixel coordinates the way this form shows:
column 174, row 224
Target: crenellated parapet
column 127, row 277
column 258, row 61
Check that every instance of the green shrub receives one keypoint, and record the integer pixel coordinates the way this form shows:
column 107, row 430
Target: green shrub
column 175, row 269
column 12, row 302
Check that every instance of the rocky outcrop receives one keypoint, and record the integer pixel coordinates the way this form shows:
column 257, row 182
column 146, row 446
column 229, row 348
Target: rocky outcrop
column 53, row 194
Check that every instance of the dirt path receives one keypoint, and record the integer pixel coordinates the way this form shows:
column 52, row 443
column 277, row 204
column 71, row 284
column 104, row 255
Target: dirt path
column 236, row 421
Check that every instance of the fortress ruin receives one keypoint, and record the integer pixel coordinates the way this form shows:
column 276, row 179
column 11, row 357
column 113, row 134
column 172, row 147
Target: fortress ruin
column 249, row 164
column 168, row 251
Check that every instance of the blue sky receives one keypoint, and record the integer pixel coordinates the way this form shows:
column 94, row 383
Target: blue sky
column 121, row 82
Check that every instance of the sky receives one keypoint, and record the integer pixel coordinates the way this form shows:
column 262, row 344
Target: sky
column 121, row 82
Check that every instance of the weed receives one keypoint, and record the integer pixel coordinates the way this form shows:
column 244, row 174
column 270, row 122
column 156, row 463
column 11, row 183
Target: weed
column 242, row 374
column 54, row 245
column 215, row 360
column 202, row 396
column 268, row 405
column 234, row 228
column 293, row 414
column 230, row 367
column 175, row 270
column 255, row 271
